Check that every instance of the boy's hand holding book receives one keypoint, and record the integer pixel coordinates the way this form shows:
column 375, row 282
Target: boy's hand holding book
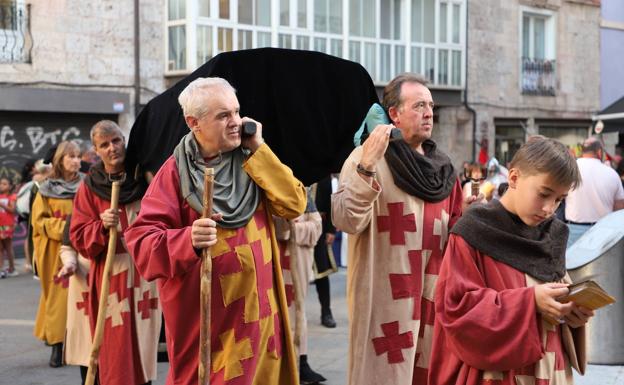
column 546, row 296
column 578, row 316
column 581, row 299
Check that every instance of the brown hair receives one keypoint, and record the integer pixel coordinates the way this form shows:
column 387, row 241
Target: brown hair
column 392, row 92
column 63, row 149
column 591, row 146
column 545, row 155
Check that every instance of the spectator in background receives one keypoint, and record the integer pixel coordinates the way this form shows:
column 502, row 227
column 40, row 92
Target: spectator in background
column 599, row 194
column 22, row 205
column 296, row 240
column 7, row 225
column 496, row 174
column 25, row 199
column 620, row 171
column 324, row 263
column 89, row 157
column 52, row 205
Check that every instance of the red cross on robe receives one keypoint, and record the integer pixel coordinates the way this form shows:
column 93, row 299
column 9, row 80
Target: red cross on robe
column 393, row 343
column 409, row 285
column 146, row 304
column 84, row 304
column 396, row 223
column 62, row 281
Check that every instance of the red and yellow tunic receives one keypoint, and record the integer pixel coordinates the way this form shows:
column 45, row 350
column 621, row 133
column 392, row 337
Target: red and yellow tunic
column 250, row 338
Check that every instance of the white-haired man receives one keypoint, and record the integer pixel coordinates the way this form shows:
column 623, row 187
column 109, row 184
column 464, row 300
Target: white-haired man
column 250, row 339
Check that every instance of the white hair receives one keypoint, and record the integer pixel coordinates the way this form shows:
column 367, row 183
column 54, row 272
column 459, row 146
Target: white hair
column 193, row 98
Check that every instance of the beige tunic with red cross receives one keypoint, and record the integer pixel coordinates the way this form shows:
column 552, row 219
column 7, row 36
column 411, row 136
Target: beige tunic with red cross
column 396, row 245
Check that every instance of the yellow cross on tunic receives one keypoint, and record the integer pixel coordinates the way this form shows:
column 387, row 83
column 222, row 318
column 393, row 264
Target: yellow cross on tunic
column 244, row 284
column 232, row 354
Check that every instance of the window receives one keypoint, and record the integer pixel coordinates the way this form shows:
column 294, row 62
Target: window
column 8, row 15
column 303, row 42
column 245, row 39
column 177, row 48
column 224, row 9
column 320, row 44
column 285, row 41
column 363, row 17
column 294, row 13
column 203, row 8
column 328, row 16
column 254, row 12
column 336, row 47
column 204, row 44
column 15, row 38
column 225, row 41
column 537, row 64
column 302, row 13
column 387, row 37
column 534, row 36
column 390, row 19
column 284, row 12
column 423, row 17
column 177, row 9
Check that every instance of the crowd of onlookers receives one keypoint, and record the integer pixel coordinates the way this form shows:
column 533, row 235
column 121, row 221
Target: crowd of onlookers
column 16, row 200
column 600, row 193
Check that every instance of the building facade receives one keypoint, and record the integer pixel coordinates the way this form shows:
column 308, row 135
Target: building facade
column 611, row 75
column 611, row 52
column 387, row 37
column 66, row 64
column 533, row 68
column 498, row 70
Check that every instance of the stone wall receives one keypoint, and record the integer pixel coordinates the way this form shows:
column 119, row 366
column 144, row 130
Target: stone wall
column 89, row 45
column 494, row 55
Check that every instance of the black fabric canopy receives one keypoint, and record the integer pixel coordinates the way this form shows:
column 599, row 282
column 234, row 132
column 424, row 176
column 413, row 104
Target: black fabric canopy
column 310, row 104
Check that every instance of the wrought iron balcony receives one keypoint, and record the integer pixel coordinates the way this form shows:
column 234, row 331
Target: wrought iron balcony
column 15, row 38
column 538, row 77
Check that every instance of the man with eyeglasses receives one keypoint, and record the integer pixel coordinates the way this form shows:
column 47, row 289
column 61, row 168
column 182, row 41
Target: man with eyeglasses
column 397, row 198
column 250, row 339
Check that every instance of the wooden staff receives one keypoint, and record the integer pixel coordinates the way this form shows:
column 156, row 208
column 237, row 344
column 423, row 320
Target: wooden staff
column 203, row 371
column 103, row 304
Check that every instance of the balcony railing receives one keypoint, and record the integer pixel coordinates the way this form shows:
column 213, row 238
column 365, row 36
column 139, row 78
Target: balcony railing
column 538, row 77
column 15, row 38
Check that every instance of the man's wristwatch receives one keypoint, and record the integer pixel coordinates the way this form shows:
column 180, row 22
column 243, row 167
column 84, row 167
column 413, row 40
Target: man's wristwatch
column 361, row 170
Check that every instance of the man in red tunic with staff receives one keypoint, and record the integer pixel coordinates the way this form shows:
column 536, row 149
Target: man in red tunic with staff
column 250, row 339
column 133, row 316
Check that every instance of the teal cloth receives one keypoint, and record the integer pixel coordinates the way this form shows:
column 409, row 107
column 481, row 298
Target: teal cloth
column 375, row 116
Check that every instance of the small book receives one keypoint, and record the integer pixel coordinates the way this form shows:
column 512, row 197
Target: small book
column 587, row 294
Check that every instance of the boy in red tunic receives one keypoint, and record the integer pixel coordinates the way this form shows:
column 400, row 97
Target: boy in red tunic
column 503, row 270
